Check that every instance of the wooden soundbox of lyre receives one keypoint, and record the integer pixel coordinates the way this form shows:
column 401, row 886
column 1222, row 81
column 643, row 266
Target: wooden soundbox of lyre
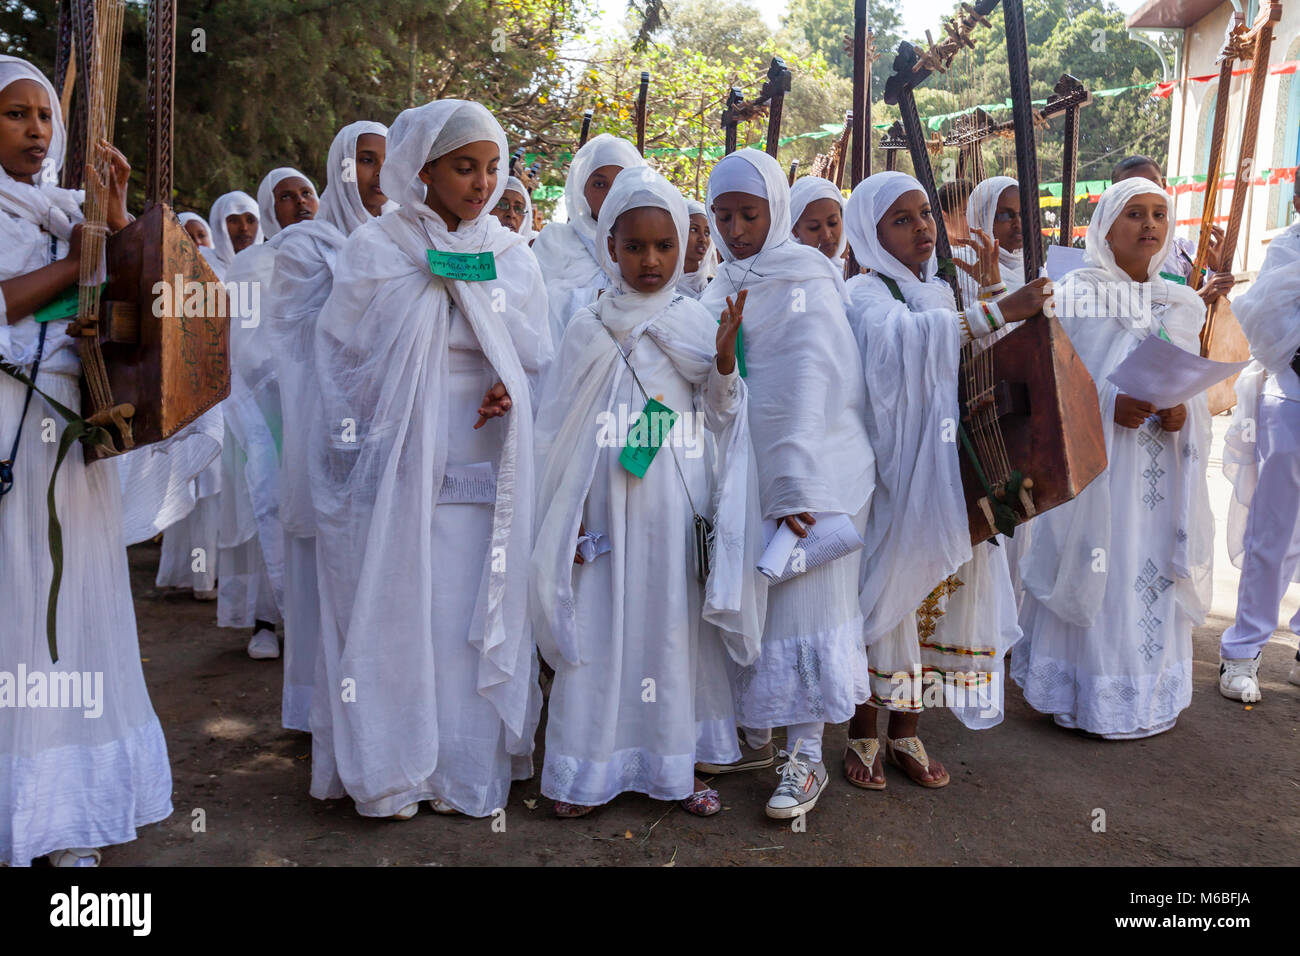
column 172, row 366
column 1227, row 344
column 1049, row 417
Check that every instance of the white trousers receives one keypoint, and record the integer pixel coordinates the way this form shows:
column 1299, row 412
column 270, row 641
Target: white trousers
column 1272, row 543
column 809, row 737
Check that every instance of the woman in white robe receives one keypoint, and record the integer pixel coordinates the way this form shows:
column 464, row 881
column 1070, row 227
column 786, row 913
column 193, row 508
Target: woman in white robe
column 994, row 210
column 251, row 567
column 424, row 521
column 566, row 251
column 806, row 410
column 638, row 613
column 700, row 253
column 939, row 616
column 1116, row 579
column 222, row 251
column 299, row 286
column 68, row 784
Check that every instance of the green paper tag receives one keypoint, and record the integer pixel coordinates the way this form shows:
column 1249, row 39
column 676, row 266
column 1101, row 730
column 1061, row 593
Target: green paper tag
column 1164, row 335
column 63, row 306
column 463, row 266
column 646, row 436
column 1181, row 280
column 740, row 349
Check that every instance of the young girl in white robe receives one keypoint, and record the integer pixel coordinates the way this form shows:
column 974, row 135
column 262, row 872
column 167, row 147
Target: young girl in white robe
column 423, row 483
column 817, row 216
column 299, row 286
column 566, row 251
column 251, row 567
column 701, row 258
column 1116, row 579
column 641, row 690
column 939, row 616
column 84, row 775
column 233, row 213
column 806, row 410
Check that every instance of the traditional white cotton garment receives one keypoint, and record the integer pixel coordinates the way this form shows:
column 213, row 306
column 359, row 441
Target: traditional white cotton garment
column 1108, row 643
column 566, row 251
column 299, row 286
column 1261, row 455
column 250, row 573
column 639, row 612
column 806, row 411
column 694, row 283
column 424, row 524
column 809, row 189
column 70, row 776
column 222, row 252
column 935, row 609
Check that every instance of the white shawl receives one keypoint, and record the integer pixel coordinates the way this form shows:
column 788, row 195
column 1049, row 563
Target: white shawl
column 1060, row 568
column 809, row 189
column 382, row 358
column 222, row 253
column 806, row 406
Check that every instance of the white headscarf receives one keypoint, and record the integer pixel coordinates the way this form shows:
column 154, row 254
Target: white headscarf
column 53, row 209
column 694, row 283
column 1097, row 252
column 867, row 205
column 981, row 207
column 566, row 251
column 514, row 184
column 266, row 197
column 425, row 133
column 637, row 188
column 781, row 257
column 231, row 204
column 809, row 189
column 340, row 204
column 186, row 217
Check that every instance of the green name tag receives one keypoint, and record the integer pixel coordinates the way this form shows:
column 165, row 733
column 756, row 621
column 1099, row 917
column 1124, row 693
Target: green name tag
column 740, row 349
column 645, row 437
column 63, row 306
column 463, row 266
column 1181, row 280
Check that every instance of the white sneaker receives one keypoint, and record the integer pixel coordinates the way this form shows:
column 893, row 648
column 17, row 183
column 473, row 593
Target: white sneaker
column 1239, row 679
column 801, row 784
column 75, row 856
column 264, row 645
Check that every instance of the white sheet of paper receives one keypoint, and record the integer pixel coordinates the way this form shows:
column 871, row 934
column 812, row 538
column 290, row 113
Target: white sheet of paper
column 1063, row 259
column 833, row 536
column 1161, row 373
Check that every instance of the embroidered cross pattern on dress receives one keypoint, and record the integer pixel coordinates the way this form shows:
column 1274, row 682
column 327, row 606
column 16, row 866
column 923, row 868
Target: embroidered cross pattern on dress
column 1149, row 586
column 1148, row 438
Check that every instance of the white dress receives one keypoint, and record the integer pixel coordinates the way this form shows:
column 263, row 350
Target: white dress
column 650, row 697
column 67, row 778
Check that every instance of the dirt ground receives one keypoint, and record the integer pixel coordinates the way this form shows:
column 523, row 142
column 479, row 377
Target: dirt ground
column 1025, row 792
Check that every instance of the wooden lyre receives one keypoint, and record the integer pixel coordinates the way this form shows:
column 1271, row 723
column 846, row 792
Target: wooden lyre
column 1030, row 424
column 586, row 129
column 891, row 142
column 1221, row 337
column 152, row 361
column 771, row 99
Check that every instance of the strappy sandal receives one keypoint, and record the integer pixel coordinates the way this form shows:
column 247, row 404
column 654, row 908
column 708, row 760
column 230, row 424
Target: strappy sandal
column 703, row 803
column 913, row 747
column 867, row 750
column 571, row 811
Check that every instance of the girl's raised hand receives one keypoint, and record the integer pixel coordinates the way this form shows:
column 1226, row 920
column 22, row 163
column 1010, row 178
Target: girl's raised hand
column 728, row 329
column 985, row 269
